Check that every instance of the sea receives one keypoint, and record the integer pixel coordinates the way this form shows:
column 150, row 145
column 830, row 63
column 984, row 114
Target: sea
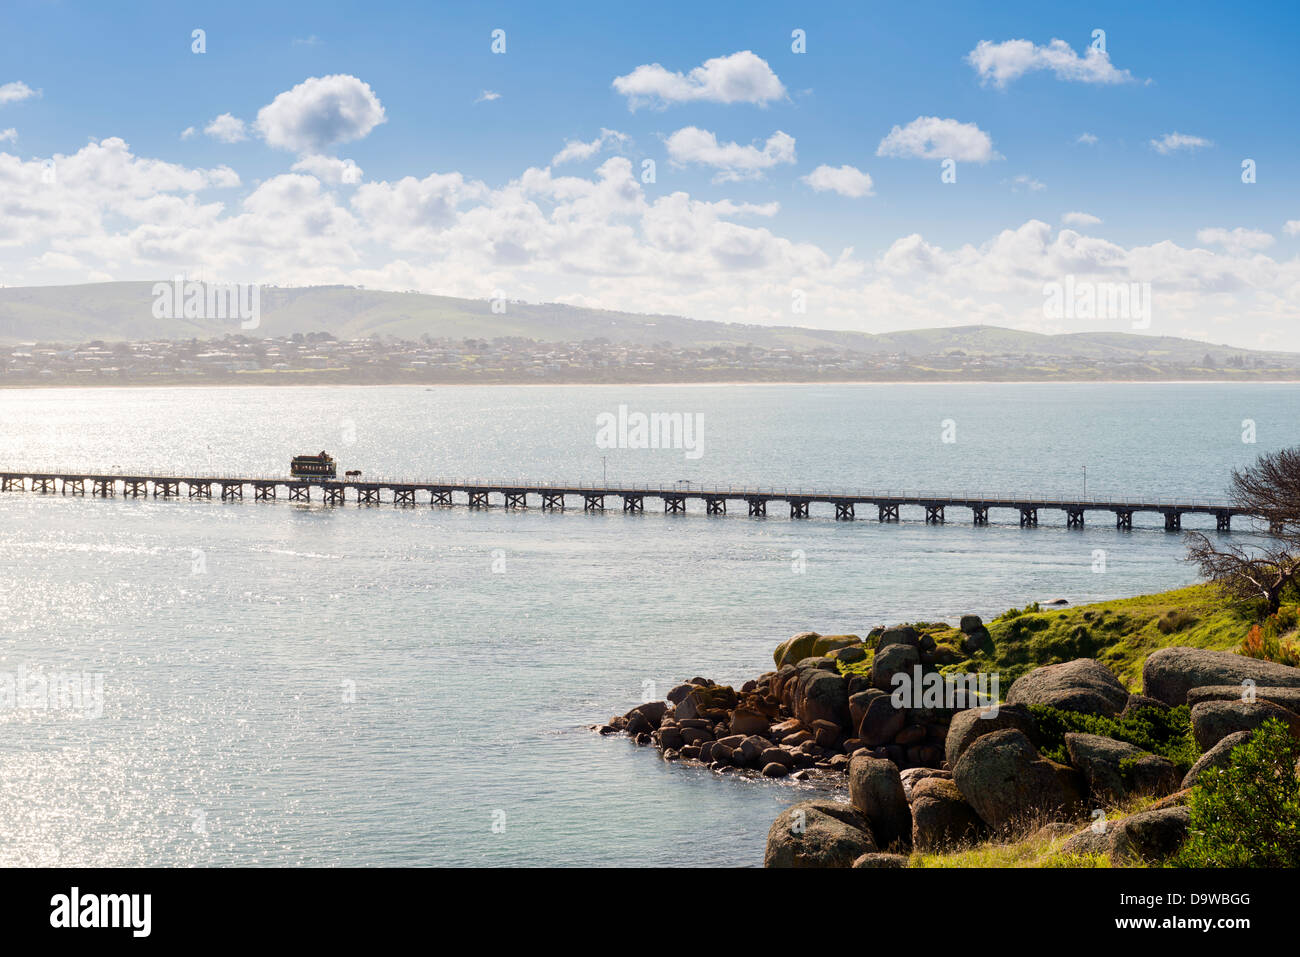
column 199, row 683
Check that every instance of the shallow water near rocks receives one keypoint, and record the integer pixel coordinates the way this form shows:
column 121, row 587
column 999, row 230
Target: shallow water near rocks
column 289, row 684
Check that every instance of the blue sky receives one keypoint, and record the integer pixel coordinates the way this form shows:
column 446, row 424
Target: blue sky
column 735, row 224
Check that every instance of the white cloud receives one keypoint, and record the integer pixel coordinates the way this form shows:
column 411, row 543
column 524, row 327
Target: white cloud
column 10, row 135
column 330, row 169
column 1238, row 241
column 189, row 133
column 101, row 203
column 1088, row 139
column 409, row 213
column 725, row 207
column 16, row 92
column 1292, row 227
column 1025, row 181
column 739, row 78
column 845, row 180
column 599, row 240
column 1000, row 63
column 1172, row 142
column 487, row 96
column 227, row 129
column 734, row 161
column 578, row 150
column 1080, row 219
column 929, row 137
column 320, row 112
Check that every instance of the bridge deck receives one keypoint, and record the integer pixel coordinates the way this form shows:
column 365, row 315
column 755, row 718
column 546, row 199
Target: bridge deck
column 367, row 489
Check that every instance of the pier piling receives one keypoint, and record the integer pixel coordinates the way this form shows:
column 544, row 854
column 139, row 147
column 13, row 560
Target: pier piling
column 676, row 497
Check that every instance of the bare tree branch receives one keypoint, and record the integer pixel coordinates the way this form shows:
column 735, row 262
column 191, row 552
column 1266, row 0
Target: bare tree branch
column 1270, row 487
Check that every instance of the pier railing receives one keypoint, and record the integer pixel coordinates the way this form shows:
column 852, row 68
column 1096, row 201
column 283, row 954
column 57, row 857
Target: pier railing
column 655, row 489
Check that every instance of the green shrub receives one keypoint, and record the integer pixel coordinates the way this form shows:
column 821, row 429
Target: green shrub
column 1163, row 731
column 1077, row 642
column 1175, row 620
column 1248, row 813
column 1030, row 609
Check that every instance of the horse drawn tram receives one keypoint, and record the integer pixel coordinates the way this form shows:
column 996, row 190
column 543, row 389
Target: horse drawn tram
column 313, row 468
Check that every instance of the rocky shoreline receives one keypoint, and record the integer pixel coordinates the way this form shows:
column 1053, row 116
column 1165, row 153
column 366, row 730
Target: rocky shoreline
column 808, row 717
column 929, row 771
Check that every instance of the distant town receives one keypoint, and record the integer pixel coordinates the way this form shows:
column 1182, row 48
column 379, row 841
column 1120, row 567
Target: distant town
column 321, row 358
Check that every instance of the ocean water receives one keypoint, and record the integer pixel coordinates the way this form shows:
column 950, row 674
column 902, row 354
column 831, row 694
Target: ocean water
column 367, row 685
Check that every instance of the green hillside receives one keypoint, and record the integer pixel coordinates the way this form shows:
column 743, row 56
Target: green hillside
column 121, row 311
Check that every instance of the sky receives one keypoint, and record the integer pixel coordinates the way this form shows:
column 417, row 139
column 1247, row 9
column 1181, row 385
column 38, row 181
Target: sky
column 863, row 165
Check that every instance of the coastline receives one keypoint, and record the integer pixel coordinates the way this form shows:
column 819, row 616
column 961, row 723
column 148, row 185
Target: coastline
column 1128, row 721
column 38, row 386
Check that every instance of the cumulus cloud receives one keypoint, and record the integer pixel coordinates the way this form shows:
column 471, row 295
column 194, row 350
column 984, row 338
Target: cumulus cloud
column 320, row 112
column 845, row 180
column 16, row 92
column 1000, row 63
column 487, row 96
column 189, row 133
column 10, row 135
column 929, row 137
column 739, row 78
column 1025, row 181
column 409, row 213
column 1173, row 142
column 1088, row 139
column 596, row 239
column 1080, row 219
column 578, row 150
column 1239, row 240
column 734, row 161
column 1292, row 227
column 330, row 169
column 227, row 129
column 102, row 203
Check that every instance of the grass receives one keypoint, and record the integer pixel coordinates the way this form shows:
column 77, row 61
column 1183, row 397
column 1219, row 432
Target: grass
column 1120, row 634
column 1036, row 849
column 1033, row 851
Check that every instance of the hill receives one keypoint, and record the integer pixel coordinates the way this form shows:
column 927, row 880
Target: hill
column 122, row 311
